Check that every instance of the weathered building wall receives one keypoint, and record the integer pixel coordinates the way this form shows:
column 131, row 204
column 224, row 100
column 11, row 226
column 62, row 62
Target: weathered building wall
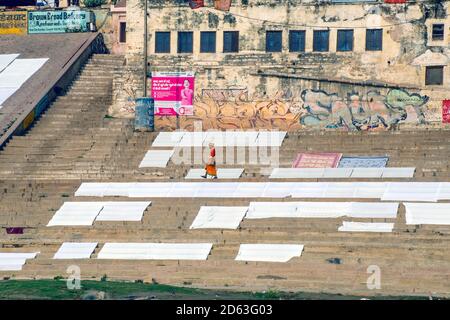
column 355, row 90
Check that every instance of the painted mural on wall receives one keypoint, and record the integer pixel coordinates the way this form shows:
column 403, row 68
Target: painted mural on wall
column 311, row 109
column 362, row 111
column 241, row 112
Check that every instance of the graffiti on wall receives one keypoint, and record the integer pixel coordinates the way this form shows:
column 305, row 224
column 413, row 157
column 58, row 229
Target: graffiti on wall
column 311, row 108
column 226, row 95
column 362, row 111
column 238, row 112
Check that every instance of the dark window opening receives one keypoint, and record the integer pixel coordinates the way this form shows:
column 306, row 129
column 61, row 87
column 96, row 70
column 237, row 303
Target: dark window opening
column 297, row 41
column 185, row 42
column 321, row 40
column 374, row 39
column 344, row 40
column 231, row 41
column 438, row 32
column 274, row 41
column 162, row 42
column 434, row 75
column 123, row 32
column 208, row 42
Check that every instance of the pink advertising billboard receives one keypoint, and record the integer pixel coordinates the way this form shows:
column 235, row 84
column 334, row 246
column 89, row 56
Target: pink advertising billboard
column 173, row 93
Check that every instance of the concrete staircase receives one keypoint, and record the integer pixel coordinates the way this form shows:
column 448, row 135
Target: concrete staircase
column 74, row 131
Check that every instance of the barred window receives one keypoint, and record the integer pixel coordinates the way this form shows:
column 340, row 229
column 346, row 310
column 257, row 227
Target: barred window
column 274, row 41
column 321, row 40
column 231, row 41
column 185, row 42
column 434, row 75
column 344, row 40
column 438, row 31
column 208, row 41
column 297, row 41
column 162, row 42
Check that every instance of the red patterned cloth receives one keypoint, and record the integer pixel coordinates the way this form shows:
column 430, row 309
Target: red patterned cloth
column 14, row 230
column 317, row 160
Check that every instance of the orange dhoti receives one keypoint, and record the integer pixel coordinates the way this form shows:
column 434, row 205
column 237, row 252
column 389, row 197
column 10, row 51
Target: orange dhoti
column 211, row 169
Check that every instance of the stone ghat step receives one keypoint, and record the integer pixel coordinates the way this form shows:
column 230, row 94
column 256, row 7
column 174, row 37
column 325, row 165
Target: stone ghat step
column 103, row 81
column 93, row 93
column 350, row 262
column 384, row 244
column 94, row 78
column 100, row 83
column 104, row 69
column 97, row 71
column 106, row 62
column 41, row 145
column 297, row 267
column 69, row 98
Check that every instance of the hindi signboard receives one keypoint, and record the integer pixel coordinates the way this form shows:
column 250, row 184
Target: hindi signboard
column 58, row 21
column 13, row 22
column 173, row 93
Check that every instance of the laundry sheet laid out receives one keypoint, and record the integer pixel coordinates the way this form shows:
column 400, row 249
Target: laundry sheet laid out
column 123, row 210
column 270, row 138
column 75, row 250
column 5, row 93
column 76, row 214
column 269, row 252
column 336, row 173
column 85, row 213
column 19, row 71
column 366, row 227
column 155, row 251
column 427, row 213
column 386, row 191
column 363, row 162
column 262, row 210
column 230, row 138
column 222, row 173
column 15, row 73
column 7, row 59
column 156, row 159
column 317, row 160
column 168, row 139
column 14, row 261
column 413, row 191
column 214, row 217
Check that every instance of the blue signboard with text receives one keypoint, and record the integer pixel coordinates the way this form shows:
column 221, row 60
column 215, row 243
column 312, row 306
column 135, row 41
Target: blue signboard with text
column 58, row 21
